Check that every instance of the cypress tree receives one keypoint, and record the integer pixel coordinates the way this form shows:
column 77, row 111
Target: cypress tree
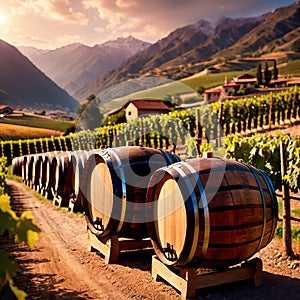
column 267, row 75
column 259, row 75
column 275, row 70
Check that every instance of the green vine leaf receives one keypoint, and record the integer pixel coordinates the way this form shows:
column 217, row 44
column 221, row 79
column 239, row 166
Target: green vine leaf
column 26, row 230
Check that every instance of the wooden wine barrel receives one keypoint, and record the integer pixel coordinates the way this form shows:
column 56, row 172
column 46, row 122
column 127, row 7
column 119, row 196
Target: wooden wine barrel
column 116, row 183
column 79, row 159
column 61, row 172
column 17, row 165
column 23, row 167
column 210, row 212
column 44, row 180
column 30, row 167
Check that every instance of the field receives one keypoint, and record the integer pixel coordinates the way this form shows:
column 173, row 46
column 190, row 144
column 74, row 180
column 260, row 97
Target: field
column 27, row 126
column 16, row 132
column 37, row 122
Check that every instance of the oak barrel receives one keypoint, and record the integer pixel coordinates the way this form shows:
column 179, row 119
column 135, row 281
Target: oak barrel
column 210, row 212
column 17, row 165
column 31, row 169
column 79, row 159
column 61, row 173
column 44, row 177
column 116, row 181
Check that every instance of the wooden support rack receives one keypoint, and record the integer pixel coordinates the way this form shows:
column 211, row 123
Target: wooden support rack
column 71, row 207
column 187, row 281
column 57, row 201
column 111, row 246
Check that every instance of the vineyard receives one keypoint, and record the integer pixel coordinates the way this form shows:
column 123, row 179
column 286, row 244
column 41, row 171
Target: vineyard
column 45, row 164
column 233, row 120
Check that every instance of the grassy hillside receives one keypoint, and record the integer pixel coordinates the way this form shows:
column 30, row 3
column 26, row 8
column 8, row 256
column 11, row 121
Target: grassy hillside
column 194, row 82
column 37, row 122
column 291, row 67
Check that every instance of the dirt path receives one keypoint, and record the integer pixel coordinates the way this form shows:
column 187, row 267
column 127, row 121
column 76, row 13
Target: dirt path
column 60, row 267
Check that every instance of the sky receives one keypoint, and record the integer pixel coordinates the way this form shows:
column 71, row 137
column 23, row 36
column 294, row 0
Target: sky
column 48, row 24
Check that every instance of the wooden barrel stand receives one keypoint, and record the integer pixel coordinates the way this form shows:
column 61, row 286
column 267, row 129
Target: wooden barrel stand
column 57, row 201
column 111, row 246
column 187, row 281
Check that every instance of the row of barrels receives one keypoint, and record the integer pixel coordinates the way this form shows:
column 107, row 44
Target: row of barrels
column 207, row 212
column 55, row 175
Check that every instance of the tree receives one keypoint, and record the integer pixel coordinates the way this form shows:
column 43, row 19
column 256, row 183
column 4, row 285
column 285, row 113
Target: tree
column 275, row 70
column 267, row 75
column 259, row 75
column 88, row 115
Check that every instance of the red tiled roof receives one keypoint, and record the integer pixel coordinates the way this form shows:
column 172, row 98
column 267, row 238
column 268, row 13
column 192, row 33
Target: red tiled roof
column 114, row 111
column 231, row 84
column 278, row 80
column 214, row 90
column 245, row 76
column 293, row 81
column 6, row 106
column 245, row 80
column 146, row 104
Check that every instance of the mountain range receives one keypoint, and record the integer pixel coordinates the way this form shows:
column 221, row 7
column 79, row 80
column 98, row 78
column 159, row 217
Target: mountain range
column 74, row 65
column 83, row 70
column 23, row 85
column 204, row 44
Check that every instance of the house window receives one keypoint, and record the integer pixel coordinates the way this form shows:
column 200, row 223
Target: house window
column 129, row 113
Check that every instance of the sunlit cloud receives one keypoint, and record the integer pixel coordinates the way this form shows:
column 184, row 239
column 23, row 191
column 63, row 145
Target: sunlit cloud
column 96, row 21
column 59, row 10
column 69, row 39
column 161, row 17
column 29, row 39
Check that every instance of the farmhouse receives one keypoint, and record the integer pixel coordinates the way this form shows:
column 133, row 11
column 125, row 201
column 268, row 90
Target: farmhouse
column 244, row 82
column 213, row 95
column 6, row 110
column 136, row 108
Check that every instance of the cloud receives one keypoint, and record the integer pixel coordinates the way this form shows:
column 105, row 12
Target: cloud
column 33, row 39
column 160, row 17
column 69, row 39
column 59, row 10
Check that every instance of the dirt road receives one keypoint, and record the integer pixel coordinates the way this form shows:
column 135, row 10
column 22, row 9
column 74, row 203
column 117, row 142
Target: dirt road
column 61, row 267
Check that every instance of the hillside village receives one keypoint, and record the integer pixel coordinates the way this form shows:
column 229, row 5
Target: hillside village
column 246, row 85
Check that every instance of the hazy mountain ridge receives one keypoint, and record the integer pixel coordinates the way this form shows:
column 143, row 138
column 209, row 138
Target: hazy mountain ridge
column 24, row 85
column 73, row 65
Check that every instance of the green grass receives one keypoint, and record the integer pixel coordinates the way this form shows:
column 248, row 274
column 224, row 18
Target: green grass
column 296, row 212
column 292, row 67
column 37, row 122
column 295, row 233
column 211, row 80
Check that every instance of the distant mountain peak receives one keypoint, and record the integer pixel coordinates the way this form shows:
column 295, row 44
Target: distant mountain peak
column 204, row 26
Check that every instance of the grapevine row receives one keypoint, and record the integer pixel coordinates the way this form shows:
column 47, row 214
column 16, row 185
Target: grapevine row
column 263, row 152
column 159, row 131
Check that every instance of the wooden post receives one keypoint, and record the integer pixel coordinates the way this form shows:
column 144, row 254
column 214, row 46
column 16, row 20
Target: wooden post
column 293, row 116
column 220, row 127
column 198, row 132
column 270, row 110
column 286, row 208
